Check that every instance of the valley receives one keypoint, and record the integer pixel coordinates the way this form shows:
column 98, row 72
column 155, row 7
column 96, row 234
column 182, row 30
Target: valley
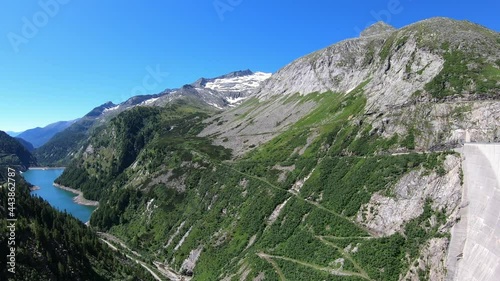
column 371, row 159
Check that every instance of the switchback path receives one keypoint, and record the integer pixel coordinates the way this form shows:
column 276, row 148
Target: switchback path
column 315, row 204
column 273, row 263
column 167, row 272
column 134, row 259
column 346, row 255
column 333, row 271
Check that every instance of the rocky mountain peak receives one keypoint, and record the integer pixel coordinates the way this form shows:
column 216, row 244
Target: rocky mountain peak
column 100, row 109
column 200, row 82
column 377, row 28
column 238, row 73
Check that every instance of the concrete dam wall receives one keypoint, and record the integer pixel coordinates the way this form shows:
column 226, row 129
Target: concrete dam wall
column 474, row 252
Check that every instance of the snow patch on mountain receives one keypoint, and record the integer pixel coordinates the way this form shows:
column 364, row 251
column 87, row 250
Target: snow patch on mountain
column 150, row 101
column 215, row 105
column 111, row 109
column 238, row 84
column 233, row 101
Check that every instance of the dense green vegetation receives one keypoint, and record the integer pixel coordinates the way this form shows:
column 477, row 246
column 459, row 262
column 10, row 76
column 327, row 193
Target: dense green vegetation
column 154, row 138
column 348, row 182
column 463, row 73
column 29, row 147
column 56, row 246
column 51, row 245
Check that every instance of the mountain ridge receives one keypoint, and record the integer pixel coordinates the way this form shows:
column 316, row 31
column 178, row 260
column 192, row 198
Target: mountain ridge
column 401, row 69
column 59, row 150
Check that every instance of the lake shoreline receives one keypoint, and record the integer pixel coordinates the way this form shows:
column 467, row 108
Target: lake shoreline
column 61, row 198
column 46, row 168
column 78, row 199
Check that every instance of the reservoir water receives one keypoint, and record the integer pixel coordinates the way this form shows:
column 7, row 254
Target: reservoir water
column 58, row 198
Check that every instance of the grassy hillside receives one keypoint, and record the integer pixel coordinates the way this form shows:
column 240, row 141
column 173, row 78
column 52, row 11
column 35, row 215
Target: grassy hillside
column 168, row 194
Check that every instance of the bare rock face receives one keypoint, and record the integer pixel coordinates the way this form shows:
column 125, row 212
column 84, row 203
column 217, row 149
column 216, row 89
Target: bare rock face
column 431, row 263
column 399, row 62
column 345, row 65
column 387, row 215
column 190, row 262
column 444, row 125
column 254, row 123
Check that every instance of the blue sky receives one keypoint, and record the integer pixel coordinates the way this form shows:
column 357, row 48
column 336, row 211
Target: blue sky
column 61, row 58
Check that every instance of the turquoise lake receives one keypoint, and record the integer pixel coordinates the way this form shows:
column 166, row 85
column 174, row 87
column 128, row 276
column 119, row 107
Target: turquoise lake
column 58, row 198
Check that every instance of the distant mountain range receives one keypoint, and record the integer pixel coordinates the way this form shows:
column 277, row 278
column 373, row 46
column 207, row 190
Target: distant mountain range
column 39, row 136
column 214, row 94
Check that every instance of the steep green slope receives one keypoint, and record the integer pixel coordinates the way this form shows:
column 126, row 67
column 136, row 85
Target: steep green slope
column 59, row 149
column 51, row 245
column 29, row 147
column 12, row 152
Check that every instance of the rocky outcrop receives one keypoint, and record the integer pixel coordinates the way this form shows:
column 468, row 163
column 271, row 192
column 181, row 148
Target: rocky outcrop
column 385, row 215
column 345, row 65
column 275, row 214
column 431, row 265
column 398, row 62
column 443, row 125
column 189, row 263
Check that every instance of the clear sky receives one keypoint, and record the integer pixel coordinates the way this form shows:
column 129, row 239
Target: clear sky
column 61, row 58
